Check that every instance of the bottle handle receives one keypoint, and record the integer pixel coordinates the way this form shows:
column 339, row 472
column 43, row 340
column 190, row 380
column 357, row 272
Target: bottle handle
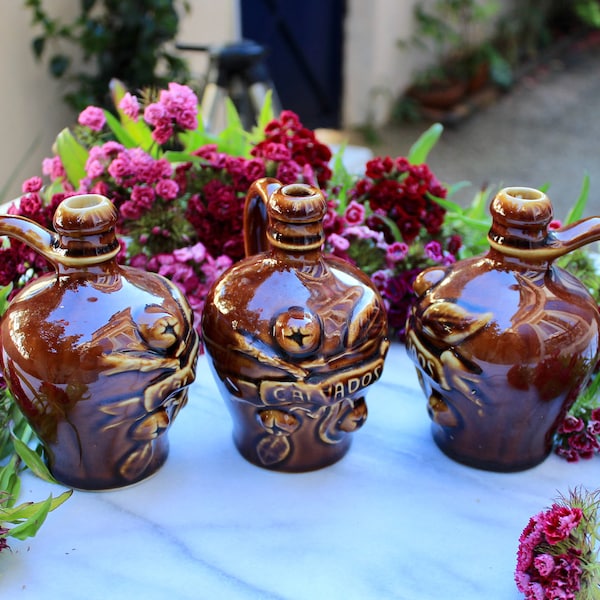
column 255, row 215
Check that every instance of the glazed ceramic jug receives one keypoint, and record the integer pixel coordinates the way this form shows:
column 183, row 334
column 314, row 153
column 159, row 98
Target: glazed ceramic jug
column 294, row 338
column 503, row 343
column 98, row 356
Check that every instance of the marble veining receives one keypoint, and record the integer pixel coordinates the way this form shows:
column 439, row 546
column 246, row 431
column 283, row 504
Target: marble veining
column 395, row 518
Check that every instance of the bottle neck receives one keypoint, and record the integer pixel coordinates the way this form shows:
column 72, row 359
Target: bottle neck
column 296, row 238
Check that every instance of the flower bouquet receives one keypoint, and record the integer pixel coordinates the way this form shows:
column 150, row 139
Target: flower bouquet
column 180, row 193
column 557, row 555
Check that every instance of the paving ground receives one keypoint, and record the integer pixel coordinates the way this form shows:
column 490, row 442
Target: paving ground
column 546, row 130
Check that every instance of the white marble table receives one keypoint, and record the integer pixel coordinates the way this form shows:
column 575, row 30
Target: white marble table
column 394, row 519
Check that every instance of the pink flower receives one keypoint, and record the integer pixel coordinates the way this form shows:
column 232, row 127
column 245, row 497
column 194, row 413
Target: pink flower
column 339, row 243
column 571, row 424
column 130, row 106
column 433, row 250
column 167, row 189
column 396, row 252
column 273, row 151
column 544, row 563
column 143, row 196
column 197, row 253
column 154, row 113
column 92, row 117
column 560, row 521
column 162, row 132
column 94, row 168
column 33, row 184
column 354, row 213
column 53, row 167
column 213, row 268
column 288, row 172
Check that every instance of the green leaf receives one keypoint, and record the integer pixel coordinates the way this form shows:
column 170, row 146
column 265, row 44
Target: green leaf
column 32, row 525
column 10, row 482
column 58, row 65
column 72, row 155
column 392, row 225
column 4, row 293
column 420, row 150
column 26, row 510
column 455, row 187
column 265, row 116
column 174, row 156
column 448, row 205
column 120, row 132
column 341, row 179
column 233, row 139
column 576, row 212
column 38, row 44
column 32, row 460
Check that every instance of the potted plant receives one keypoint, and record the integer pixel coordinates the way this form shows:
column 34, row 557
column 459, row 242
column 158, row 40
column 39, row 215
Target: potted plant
column 453, row 33
column 123, row 39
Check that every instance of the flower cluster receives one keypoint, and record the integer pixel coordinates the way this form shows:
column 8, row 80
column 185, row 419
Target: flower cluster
column 578, row 435
column 180, row 194
column 180, row 212
column 392, row 228
column 557, row 556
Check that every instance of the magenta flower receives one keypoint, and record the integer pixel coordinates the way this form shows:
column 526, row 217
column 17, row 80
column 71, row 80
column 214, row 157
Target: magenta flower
column 560, row 521
column 354, row 213
column 53, row 167
column 338, row 243
column 92, row 117
column 396, row 252
column 33, row 184
column 130, row 106
column 167, row 189
column 556, row 555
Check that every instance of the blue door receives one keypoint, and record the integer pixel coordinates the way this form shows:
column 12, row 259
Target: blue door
column 305, row 43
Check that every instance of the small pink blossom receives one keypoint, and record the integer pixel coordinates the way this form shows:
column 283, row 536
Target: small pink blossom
column 560, row 522
column 33, row 184
column 92, row 117
column 571, row 424
column 94, row 168
column 396, row 252
column 544, row 563
column 162, row 132
column 53, row 167
column 154, row 113
column 338, row 242
column 433, row 250
column 130, row 106
column 197, row 253
column 354, row 213
column 167, row 189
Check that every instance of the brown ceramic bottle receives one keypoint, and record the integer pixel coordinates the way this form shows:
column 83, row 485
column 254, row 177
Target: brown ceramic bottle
column 98, row 356
column 295, row 338
column 503, row 343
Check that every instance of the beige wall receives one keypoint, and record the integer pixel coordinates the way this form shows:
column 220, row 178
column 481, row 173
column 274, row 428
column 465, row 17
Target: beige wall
column 31, row 111
column 375, row 69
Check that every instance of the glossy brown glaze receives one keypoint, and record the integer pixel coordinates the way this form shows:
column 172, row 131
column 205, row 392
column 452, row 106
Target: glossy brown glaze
column 98, row 356
column 503, row 343
column 294, row 338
